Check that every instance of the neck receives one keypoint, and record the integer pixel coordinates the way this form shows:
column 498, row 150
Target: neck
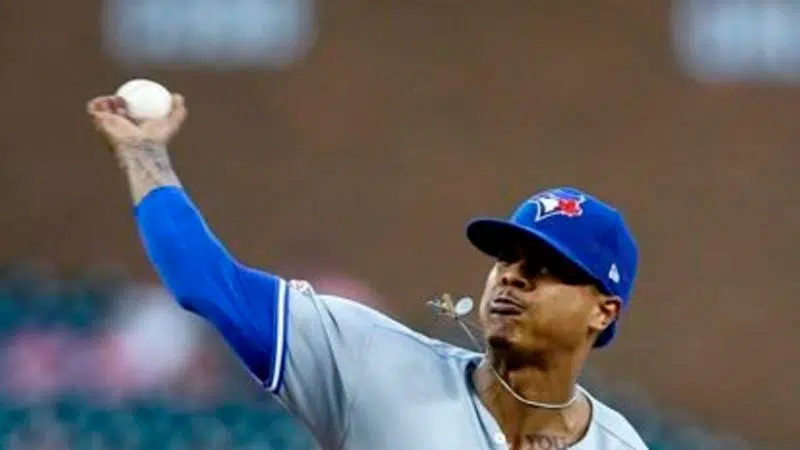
column 544, row 378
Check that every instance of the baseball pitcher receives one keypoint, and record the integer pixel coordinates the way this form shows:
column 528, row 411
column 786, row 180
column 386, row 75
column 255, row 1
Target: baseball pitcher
column 563, row 267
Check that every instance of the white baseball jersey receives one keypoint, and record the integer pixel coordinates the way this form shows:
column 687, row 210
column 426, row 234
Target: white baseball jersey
column 362, row 381
column 359, row 380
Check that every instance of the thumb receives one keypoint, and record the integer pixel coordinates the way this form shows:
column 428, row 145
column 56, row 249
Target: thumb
column 178, row 112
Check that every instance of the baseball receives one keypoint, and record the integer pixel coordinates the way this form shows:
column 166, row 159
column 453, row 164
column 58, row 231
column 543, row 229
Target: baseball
column 145, row 99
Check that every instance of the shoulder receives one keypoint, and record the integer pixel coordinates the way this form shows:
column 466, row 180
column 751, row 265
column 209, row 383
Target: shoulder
column 384, row 329
column 615, row 426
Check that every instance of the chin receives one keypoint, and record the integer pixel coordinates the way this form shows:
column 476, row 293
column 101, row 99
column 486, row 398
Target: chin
column 498, row 342
column 501, row 336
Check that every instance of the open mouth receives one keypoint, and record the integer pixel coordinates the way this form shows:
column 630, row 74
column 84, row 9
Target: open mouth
column 505, row 306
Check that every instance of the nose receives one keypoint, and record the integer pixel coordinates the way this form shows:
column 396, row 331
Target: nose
column 512, row 275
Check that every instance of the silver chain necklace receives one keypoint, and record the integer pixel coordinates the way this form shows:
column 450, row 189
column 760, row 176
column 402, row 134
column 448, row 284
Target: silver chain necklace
column 533, row 403
column 457, row 311
column 510, row 390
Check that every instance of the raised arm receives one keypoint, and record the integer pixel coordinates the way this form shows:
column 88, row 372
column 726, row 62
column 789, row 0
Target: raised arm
column 305, row 348
column 246, row 305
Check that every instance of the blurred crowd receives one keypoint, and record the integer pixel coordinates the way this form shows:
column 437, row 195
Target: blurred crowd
column 95, row 361
column 98, row 362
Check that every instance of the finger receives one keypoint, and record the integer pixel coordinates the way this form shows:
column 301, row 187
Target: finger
column 97, row 104
column 177, row 114
column 99, row 118
column 102, row 121
column 107, row 103
column 105, row 126
column 111, row 123
column 118, row 105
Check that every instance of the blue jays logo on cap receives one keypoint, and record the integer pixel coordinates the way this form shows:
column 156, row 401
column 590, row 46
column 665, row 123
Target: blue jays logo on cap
column 557, row 203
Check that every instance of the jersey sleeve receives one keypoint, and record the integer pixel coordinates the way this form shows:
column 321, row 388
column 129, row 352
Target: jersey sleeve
column 327, row 338
column 301, row 346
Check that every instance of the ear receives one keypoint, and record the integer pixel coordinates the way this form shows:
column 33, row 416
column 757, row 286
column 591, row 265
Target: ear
column 605, row 313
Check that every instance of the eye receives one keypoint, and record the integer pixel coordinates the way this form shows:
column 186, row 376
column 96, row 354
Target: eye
column 532, row 269
column 508, row 256
column 570, row 274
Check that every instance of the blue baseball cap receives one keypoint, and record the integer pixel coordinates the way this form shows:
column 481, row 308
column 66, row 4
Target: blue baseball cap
column 586, row 231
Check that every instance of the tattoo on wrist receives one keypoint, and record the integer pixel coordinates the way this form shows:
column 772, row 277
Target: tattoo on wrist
column 147, row 165
column 140, row 153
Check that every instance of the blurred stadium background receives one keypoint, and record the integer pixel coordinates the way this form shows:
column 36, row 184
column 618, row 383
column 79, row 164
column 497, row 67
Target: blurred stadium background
column 347, row 142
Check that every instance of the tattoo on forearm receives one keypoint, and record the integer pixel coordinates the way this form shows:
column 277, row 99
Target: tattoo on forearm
column 546, row 442
column 148, row 167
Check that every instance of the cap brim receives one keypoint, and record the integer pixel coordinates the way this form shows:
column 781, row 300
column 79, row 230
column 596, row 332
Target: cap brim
column 492, row 236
